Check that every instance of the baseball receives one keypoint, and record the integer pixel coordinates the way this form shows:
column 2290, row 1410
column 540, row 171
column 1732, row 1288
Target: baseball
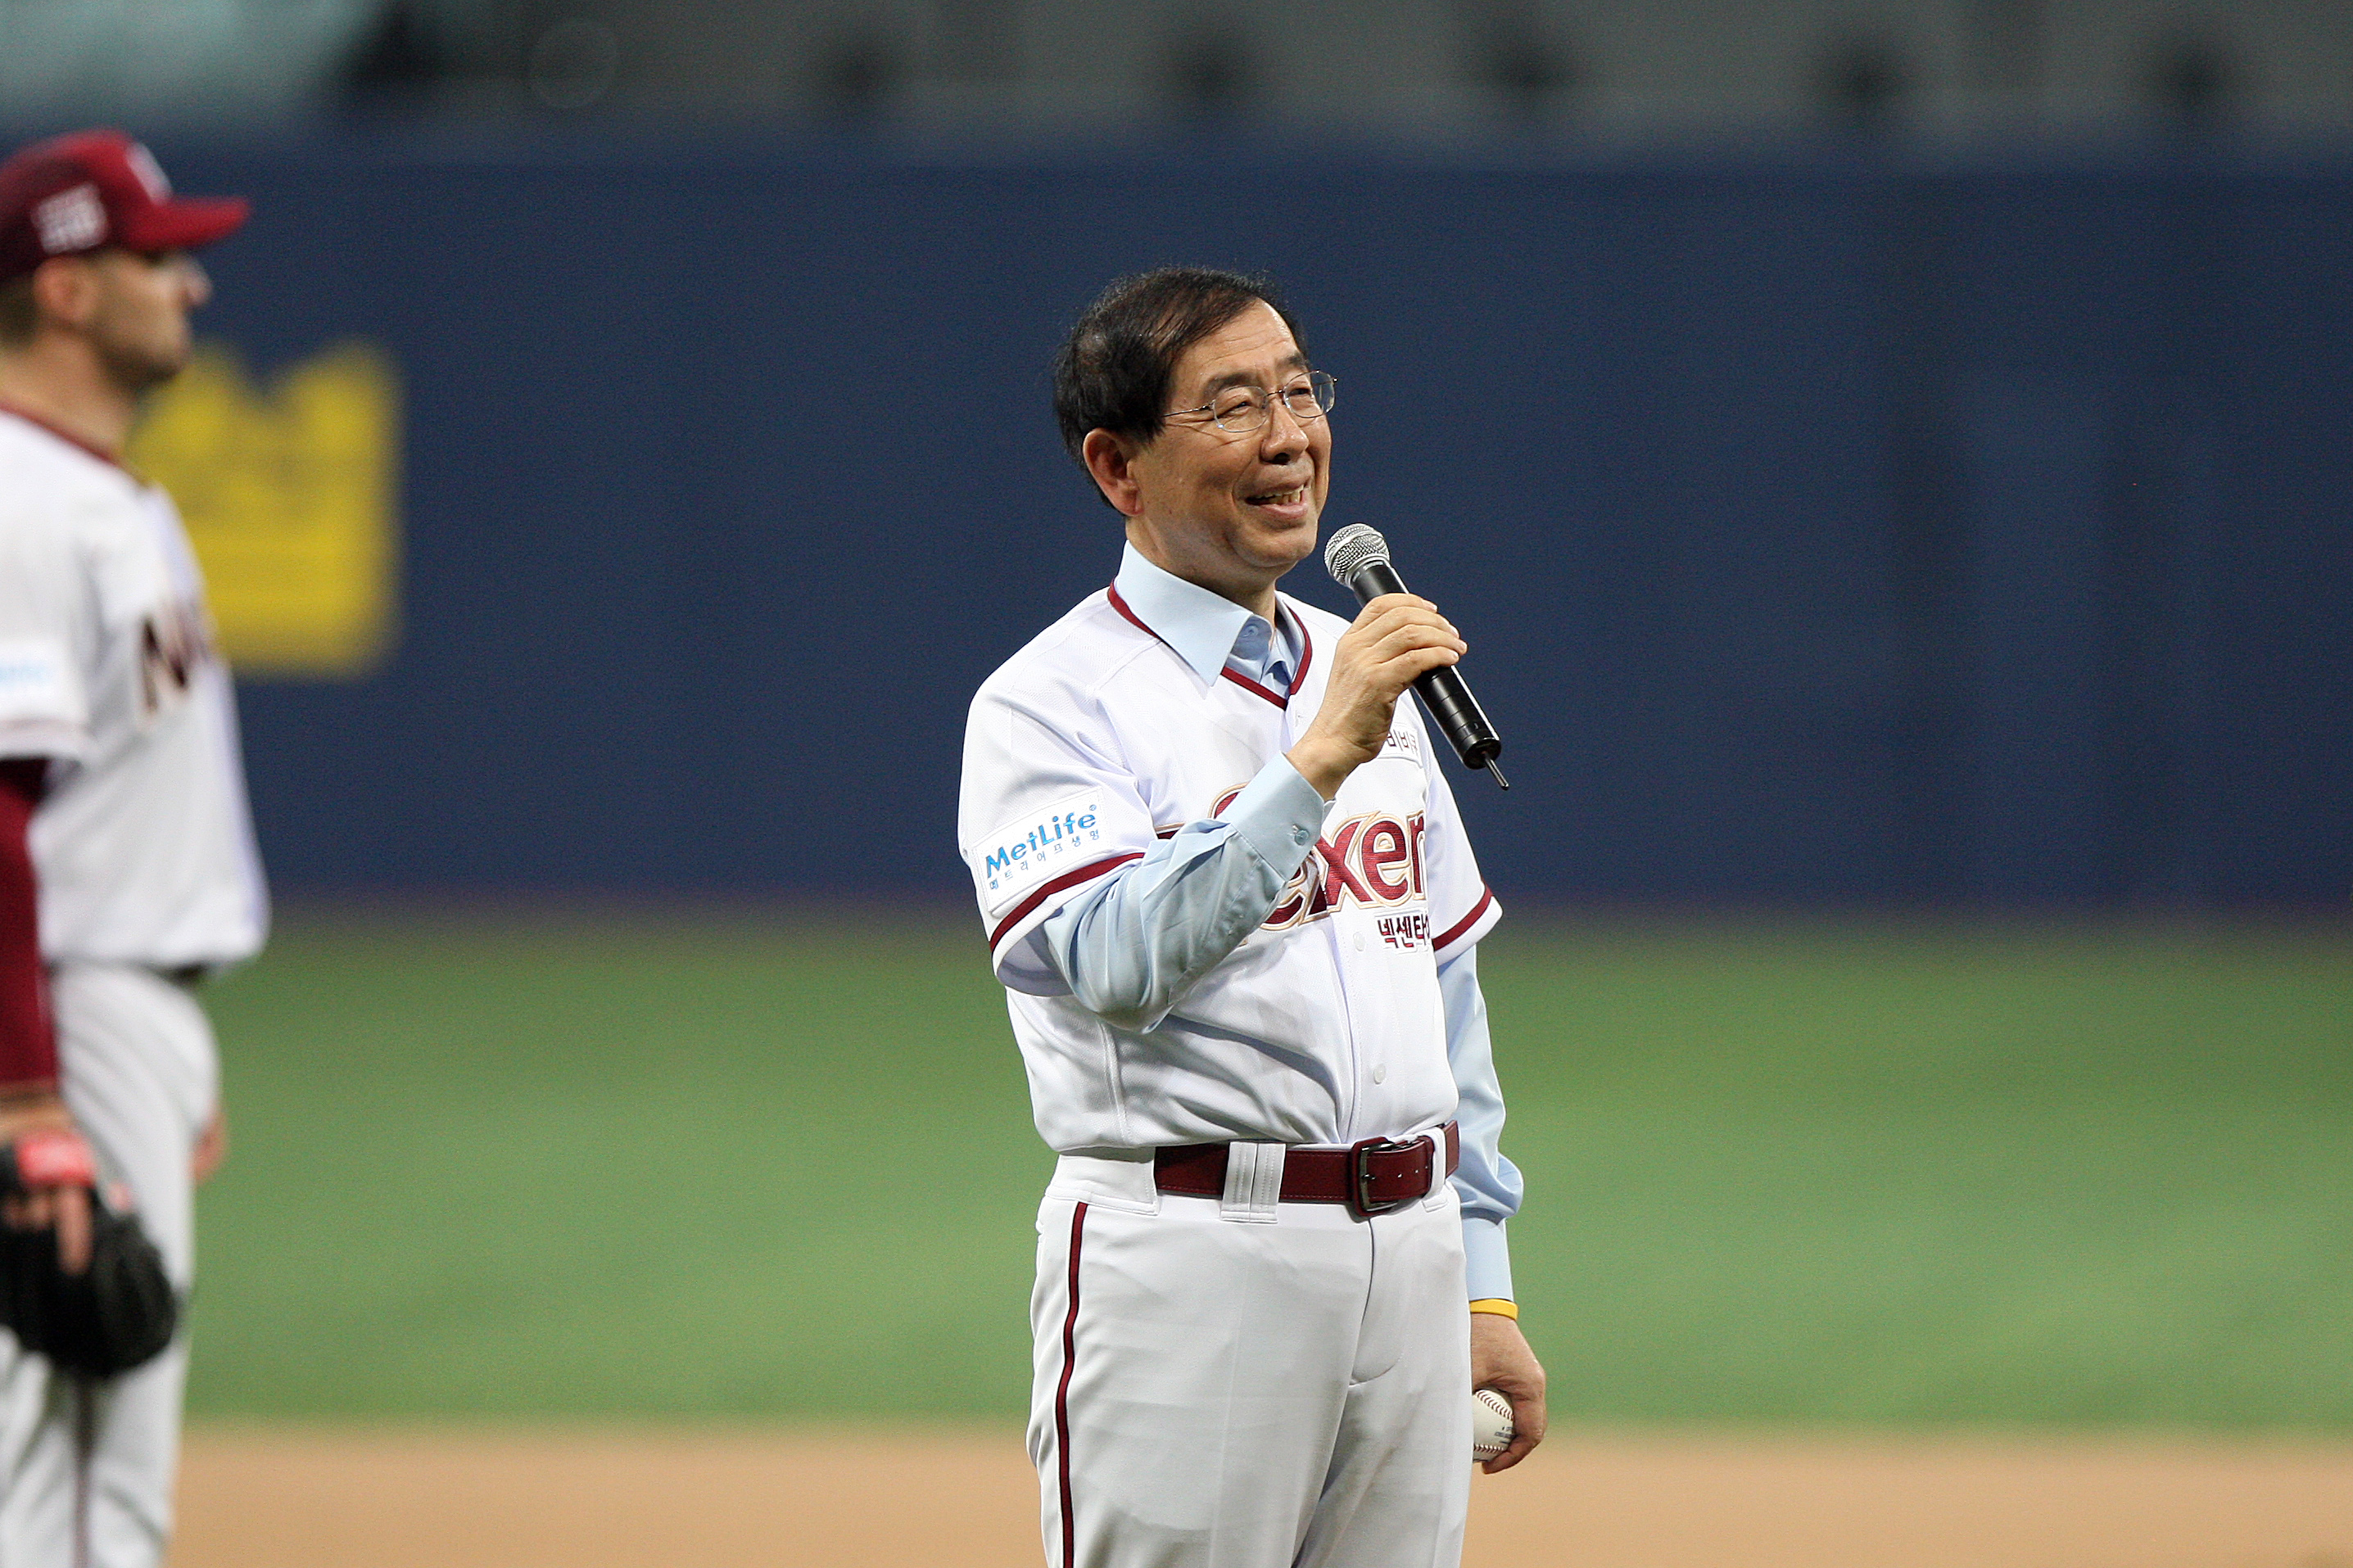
column 1491, row 1424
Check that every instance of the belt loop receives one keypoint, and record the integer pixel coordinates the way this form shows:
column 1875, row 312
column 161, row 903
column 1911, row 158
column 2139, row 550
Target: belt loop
column 1253, row 1182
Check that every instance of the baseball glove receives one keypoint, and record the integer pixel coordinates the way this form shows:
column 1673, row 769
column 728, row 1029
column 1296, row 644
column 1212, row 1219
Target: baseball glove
column 116, row 1314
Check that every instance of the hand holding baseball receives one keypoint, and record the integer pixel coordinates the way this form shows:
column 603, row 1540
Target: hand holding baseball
column 1501, row 1359
column 1396, row 639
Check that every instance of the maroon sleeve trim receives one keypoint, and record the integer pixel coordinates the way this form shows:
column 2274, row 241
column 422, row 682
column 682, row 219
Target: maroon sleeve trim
column 1067, row 879
column 28, row 1046
column 1486, row 897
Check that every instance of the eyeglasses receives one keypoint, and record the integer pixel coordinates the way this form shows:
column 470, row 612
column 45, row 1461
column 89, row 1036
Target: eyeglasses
column 1241, row 409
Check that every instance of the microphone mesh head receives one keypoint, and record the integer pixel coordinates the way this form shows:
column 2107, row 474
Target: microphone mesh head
column 1351, row 548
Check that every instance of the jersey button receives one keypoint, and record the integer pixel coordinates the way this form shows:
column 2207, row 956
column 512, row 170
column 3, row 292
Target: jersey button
column 1360, row 942
column 1380, row 1072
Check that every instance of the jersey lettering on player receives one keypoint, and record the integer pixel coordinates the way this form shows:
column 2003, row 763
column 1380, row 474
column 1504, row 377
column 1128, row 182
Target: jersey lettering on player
column 174, row 643
column 1370, row 862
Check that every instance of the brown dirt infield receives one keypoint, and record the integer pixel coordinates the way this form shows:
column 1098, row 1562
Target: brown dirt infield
column 328, row 1498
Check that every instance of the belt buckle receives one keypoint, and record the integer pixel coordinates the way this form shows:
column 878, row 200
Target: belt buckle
column 1361, row 1201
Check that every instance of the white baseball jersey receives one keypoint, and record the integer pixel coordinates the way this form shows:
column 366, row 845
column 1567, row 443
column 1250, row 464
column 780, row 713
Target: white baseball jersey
column 143, row 847
column 1324, row 1026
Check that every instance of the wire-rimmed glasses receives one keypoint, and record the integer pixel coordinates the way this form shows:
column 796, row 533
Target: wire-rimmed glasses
column 1242, row 410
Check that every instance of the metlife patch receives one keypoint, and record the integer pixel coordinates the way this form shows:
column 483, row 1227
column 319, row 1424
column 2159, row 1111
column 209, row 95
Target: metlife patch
column 1034, row 850
column 34, row 684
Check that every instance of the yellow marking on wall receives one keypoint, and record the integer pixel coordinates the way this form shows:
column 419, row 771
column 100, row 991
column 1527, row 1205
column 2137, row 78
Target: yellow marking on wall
column 291, row 497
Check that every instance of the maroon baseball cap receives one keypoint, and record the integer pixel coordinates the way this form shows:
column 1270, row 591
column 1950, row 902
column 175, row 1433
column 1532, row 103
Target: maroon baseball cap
column 95, row 188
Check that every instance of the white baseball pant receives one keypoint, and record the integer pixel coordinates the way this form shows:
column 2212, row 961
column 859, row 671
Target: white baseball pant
column 1220, row 1392
column 86, row 1468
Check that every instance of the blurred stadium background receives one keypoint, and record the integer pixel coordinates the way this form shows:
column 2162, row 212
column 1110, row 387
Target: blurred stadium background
column 1890, row 458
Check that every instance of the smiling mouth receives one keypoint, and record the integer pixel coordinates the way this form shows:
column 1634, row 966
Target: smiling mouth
column 1278, row 497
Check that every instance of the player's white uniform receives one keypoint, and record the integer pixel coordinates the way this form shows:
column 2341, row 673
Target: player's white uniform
column 146, row 867
column 1234, row 1382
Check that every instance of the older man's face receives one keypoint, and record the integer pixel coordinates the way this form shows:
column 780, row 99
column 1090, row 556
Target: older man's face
column 1233, row 511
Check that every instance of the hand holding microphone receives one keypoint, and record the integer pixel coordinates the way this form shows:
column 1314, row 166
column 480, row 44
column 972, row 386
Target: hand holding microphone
column 1403, row 642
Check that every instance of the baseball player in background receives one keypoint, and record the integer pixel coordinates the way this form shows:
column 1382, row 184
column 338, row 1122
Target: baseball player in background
column 127, row 866
column 1227, row 891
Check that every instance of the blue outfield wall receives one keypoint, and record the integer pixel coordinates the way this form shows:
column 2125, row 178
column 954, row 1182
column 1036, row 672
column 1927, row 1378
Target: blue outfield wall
column 1827, row 528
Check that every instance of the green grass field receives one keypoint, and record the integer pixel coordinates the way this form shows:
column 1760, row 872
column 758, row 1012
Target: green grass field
column 726, row 1167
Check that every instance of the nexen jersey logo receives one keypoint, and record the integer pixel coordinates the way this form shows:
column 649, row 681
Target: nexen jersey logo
column 1372, row 861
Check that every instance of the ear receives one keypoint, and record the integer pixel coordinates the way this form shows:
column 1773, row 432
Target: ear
column 1110, row 458
column 65, row 289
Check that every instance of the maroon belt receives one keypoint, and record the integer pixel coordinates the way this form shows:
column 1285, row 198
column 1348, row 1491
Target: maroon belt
column 1371, row 1177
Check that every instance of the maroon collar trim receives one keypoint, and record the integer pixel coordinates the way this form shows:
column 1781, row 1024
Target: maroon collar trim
column 1280, row 698
column 1246, row 684
column 1306, row 655
column 67, row 436
column 1134, row 620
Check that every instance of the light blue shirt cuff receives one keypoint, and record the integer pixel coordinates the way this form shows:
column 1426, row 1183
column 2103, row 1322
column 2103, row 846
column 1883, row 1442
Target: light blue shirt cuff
column 1486, row 1260
column 1279, row 815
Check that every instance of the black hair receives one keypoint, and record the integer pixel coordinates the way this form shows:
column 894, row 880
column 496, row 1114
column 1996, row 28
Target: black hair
column 19, row 317
column 1112, row 372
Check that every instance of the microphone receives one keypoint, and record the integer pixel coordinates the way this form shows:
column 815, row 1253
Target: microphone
column 1358, row 559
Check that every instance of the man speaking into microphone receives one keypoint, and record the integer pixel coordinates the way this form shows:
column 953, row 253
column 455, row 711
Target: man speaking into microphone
column 1224, row 886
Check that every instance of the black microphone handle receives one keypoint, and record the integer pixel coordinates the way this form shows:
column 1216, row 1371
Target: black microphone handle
column 1449, row 700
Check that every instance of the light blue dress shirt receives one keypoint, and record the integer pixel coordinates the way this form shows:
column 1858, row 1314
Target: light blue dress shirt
column 1139, row 939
